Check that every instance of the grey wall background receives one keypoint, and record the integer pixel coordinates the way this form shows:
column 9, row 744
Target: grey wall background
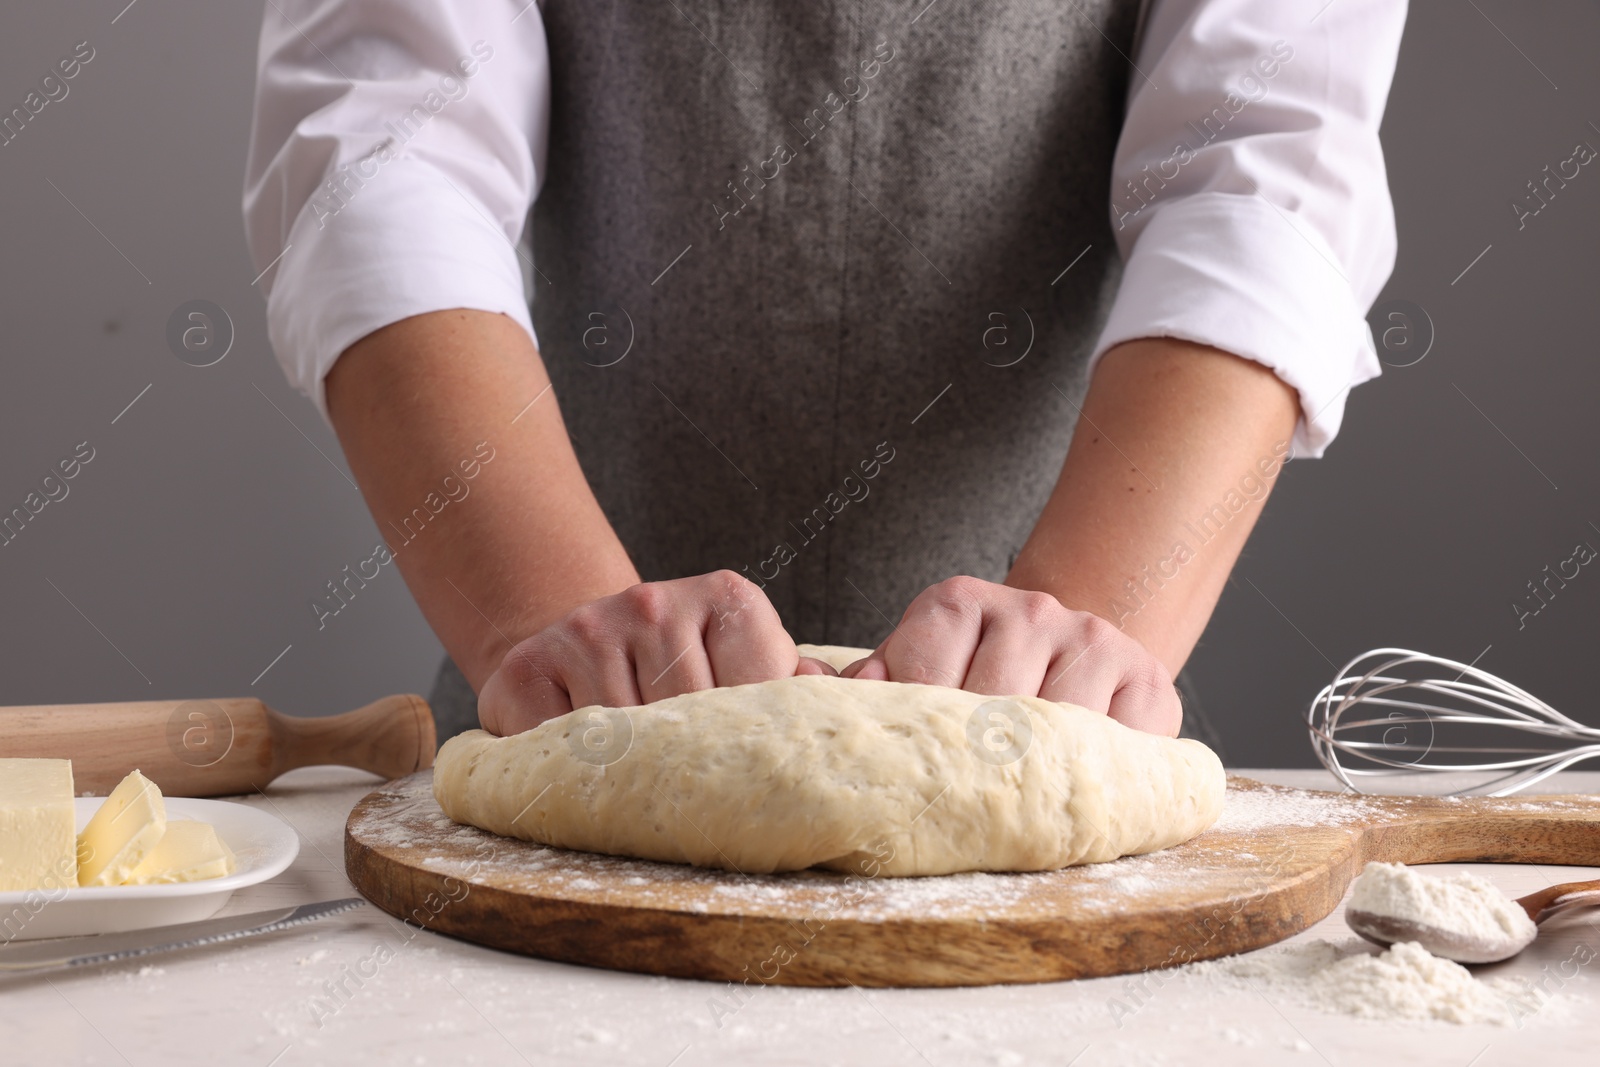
column 181, row 561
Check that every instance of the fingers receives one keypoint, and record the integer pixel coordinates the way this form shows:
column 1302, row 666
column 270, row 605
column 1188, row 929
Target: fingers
column 1091, row 656
column 669, row 663
column 665, row 654
column 1016, row 648
column 808, row 665
column 871, row 668
column 936, row 638
column 1148, row 702
column 647, row 643
column 744, row 638
column 587, row 653
column 1103, row 669
column 1086, row 675
column 992, row 639
column 521, row 695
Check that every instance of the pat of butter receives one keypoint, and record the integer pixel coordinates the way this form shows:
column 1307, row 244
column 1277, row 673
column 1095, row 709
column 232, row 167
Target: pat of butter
column 38, row 838
column 122, row 832
column 188, row 852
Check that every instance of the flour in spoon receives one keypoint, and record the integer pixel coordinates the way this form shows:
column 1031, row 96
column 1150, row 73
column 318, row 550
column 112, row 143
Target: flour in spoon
column 1462, row 903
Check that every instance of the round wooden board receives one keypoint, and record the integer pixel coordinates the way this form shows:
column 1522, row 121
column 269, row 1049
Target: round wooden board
column 1277, row 861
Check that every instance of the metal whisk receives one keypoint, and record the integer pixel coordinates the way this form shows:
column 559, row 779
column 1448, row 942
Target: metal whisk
column 1448, row 717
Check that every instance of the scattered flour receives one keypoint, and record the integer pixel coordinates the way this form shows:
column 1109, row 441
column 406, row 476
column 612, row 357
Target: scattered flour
column 1404, row 983
column 1408, row 982
column 411, row 821
column 1236, row 1036
column 1463, row 903
column 1263, row 807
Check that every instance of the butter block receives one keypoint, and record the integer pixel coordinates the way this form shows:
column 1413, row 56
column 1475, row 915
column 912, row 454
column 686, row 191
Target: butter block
column 124, row 830
column 38, row 834
column 188, row 852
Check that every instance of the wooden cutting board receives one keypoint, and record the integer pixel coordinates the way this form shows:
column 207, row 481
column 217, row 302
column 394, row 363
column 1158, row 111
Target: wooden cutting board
column 1277, row 861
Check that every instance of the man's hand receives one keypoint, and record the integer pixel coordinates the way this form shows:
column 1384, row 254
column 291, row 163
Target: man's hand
column 646, row 643
column 986, row 638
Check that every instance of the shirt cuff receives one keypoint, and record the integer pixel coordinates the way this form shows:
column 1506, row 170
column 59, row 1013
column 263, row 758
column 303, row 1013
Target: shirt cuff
column 396, row 248
column 1234, row 272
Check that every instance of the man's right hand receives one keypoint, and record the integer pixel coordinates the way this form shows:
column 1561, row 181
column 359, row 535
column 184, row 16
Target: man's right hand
column 646, row 643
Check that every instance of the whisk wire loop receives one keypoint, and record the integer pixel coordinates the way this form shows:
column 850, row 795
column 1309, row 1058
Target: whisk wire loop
column 1475, row 702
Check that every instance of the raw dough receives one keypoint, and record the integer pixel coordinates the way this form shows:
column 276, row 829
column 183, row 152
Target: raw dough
column 836, row 656
column 882, row 778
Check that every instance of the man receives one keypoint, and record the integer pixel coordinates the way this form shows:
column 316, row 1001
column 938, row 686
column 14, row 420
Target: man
column 822, row 293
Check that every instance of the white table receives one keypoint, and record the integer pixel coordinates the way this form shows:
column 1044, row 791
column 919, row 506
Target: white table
column 362, row 988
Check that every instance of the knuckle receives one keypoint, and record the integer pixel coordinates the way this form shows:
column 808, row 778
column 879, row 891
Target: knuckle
column 965, row 585
column 1157, row 676
column 525, row 666
column 1040, row 609
column 1149, row 681
column 649, row 603
column 959, row 596
column 729, row 587
column 1098, row 631
column 922, row 674
column 586, row 626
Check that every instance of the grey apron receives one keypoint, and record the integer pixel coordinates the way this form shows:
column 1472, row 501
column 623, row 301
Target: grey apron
column 816, row 283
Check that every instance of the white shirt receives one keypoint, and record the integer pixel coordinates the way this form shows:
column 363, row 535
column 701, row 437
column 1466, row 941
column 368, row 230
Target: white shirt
column 1249, row 200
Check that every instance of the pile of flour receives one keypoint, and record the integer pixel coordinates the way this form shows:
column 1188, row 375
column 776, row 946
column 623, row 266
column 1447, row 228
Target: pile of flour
column 1463, row 903
column 1406, row 982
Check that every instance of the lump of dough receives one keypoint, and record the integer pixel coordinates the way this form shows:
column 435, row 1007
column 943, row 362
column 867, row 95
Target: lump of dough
column 836, row 656
column 817, row 771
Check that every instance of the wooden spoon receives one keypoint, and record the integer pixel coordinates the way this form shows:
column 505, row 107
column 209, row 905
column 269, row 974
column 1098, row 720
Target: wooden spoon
column 1387, row 930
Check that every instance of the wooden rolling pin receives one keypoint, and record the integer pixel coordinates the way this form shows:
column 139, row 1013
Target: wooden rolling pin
column 210, row 748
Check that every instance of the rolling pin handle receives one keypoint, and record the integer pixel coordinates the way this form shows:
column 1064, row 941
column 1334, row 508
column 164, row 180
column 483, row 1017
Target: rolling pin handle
column 390, row 737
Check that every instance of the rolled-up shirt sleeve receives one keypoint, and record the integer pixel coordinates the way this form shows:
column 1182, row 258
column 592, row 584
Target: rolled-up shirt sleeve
column 1249, row 198
column 395, row 149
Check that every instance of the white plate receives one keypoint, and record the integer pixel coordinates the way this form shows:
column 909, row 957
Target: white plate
column 263, row 845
